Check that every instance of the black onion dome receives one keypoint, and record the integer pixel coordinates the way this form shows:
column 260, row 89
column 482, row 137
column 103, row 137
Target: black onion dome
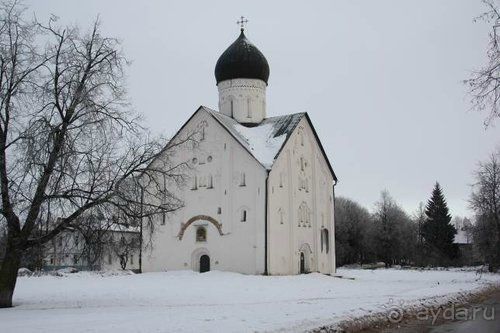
column 242, row 60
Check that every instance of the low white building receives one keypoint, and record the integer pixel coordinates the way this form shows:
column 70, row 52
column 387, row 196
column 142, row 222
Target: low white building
column 260, row 194
column 104, row 247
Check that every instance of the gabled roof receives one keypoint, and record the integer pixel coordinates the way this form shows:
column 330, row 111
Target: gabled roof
column 266, row 140
column 263, row 141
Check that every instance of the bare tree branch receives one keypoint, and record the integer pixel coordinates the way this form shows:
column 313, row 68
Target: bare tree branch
column 484, row 84
column 69, row 141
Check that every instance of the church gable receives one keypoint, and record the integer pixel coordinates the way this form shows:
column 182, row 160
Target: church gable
column 302, row 131
column 249, row 140
column 265, row 140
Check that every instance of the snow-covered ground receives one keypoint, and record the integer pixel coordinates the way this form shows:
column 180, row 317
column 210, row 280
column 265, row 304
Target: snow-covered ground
column 220, row 301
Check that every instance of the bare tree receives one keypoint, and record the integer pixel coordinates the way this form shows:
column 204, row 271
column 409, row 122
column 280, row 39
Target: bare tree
column 3, row 239
column 388, row 235
column 124, row 247
column 485, row 200
column 93, row 228
column 352, row 223
column 419, row 218
column 68, row 139
column 99, row 238
column 484, row 84
column 394, row 233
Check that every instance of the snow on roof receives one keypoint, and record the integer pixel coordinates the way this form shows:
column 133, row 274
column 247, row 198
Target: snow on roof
column 108, row 225
column 111, row 224
column 265, row 140
column 117, row 227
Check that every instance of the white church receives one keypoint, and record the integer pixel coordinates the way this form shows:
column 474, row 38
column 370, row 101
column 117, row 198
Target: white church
column 259, row 198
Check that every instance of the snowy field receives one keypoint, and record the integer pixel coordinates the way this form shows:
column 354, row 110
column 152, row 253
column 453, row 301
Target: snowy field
column 219, row 301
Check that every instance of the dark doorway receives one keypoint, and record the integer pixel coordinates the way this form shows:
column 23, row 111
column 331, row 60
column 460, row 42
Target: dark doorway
column 204, row 263
column 302, row 263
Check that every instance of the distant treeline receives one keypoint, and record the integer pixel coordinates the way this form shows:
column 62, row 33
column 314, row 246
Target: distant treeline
column 390, row 235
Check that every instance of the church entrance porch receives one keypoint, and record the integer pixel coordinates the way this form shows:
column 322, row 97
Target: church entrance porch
column 305, row 254
column 200, row 260
column 204, row 263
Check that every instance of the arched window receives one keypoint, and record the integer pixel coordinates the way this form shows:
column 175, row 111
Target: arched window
column 325, row 241
column 210, row 181
column 322, row 236
column 195, row 183
column 249, row 111
column 303, row 215
column 280, row 214
column 300, row 216
column 244, row 215
column 201, row 234
column 242, row 179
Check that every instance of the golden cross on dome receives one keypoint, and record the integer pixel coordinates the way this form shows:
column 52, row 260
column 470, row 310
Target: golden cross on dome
column 241, row 22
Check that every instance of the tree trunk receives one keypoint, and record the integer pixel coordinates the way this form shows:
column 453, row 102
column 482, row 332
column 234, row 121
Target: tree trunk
column 495, row 262
column 8, row 273
column 497, row 254
column 494, row 257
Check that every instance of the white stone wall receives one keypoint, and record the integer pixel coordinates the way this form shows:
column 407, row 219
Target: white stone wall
column 220, row 161
column 300, row 206
column 243, row 99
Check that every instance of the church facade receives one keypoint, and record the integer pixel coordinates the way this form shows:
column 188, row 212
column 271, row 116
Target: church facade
column 259, row 194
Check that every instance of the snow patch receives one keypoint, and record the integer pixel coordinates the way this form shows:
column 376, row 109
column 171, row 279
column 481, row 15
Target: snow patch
column 262, row 144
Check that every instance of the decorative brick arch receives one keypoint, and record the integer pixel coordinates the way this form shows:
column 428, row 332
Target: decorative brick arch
column 210, row 219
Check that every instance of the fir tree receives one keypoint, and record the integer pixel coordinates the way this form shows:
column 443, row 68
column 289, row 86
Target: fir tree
column 437, row 230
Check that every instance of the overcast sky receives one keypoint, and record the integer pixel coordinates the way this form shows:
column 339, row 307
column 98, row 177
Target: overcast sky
column 381, row 80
